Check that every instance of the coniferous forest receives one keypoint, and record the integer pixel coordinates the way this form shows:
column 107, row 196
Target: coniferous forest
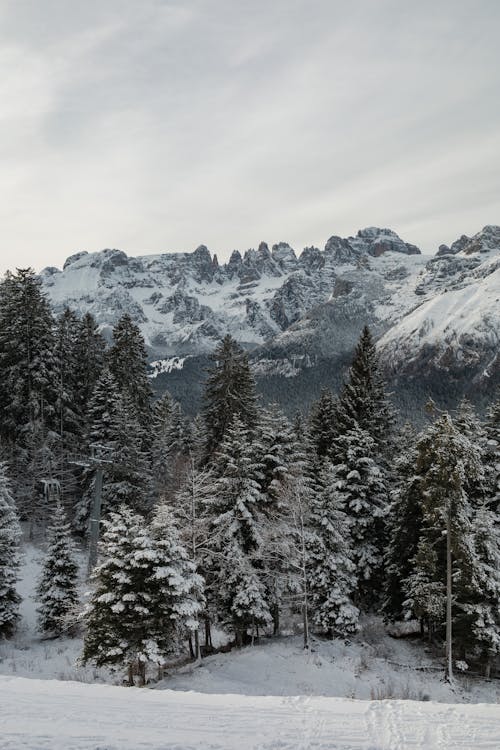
column 239, row 519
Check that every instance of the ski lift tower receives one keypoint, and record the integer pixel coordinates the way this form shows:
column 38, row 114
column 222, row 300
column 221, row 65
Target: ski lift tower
column 96, row 460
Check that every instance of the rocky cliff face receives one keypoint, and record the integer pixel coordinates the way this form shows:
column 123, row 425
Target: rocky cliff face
column 184, row 302
column 294, row 311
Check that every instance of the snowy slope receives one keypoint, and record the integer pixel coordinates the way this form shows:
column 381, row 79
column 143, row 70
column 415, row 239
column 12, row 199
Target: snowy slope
column 459, row 325
column 37, row 714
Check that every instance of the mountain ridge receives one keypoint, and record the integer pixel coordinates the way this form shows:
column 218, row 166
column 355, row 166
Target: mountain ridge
column 431, row 314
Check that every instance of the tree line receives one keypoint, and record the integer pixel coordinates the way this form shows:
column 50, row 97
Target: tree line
column 240, row 518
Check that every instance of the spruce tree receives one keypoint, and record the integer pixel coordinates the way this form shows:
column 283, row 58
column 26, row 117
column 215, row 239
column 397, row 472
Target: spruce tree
column 274, row 449
column 102, row 418
column 57, row 589
column 118, row 616
column 146, row 594
column 449, row 464
column 90, row 356
column 323, row 427
column 492, row 455
column 229, row 392
column 332, row 570
column 361, row 482
column 127, row 481
column 363, row 401
column 128, row 364
column 10, row 534
column 177, row 587
column 28, row 374
column 235, row 521
column 404, row 522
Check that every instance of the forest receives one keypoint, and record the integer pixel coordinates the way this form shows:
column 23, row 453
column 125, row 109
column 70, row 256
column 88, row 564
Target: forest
column 240, row 518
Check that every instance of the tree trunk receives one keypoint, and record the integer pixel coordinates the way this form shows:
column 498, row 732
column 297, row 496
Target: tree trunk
column 449, row 654
column 197, row 648
column 208, row 635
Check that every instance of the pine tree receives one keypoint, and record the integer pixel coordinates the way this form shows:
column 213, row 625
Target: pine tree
column 58, row 585
column 274, row 450
column 480, row 584
column 404, row 523
column 69, row 412
column 102, row 418
column 90, row 355
column 127, row 481
column 28, row 381
column 492, row 455
column 235, row 513
column 449, row 463
column 362, row 484
column 177, row 586
column 128, row 364
column 27, row 360
column 170, row 447
column 332, row 571
column 363, row 401
column 468, row 424
column 10, row 534
column 229, row 392
column 323, row 427
column 146, row 594
column 118, row 616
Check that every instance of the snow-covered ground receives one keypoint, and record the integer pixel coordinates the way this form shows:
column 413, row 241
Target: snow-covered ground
column 243, row 699
column 39, row 715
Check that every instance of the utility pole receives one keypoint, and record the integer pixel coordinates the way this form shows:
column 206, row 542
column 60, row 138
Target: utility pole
column 97, row 462
column 449, row 655
column 95, row 519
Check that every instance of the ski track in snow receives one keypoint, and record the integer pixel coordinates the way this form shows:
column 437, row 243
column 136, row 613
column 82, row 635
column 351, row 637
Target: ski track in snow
column 54, row 715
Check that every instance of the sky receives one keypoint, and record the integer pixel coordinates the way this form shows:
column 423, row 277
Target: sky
column 159, row 125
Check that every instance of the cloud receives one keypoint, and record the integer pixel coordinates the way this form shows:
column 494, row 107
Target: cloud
column 159, row 125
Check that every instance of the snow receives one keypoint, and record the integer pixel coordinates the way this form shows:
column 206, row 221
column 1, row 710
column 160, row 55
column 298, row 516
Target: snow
column 448, row 318
column 38, row 714
column 160, row 366
column 273, row 696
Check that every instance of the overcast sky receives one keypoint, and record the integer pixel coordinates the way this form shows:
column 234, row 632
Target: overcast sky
column 152, row 126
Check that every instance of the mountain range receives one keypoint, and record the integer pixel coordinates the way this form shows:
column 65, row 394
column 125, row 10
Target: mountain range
column 436, row 318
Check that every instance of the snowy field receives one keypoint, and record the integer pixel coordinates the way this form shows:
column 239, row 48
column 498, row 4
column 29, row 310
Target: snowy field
column 52, row 715
column 243, row 699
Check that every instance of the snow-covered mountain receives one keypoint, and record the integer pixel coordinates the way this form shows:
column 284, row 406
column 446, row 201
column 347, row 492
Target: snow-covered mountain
column 432, row 314
column 184, row 302
column 457, row 325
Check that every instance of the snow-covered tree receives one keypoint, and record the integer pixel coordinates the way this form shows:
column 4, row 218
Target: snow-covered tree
column 118, row 615
column 235, row 515
column 363, row 402
column 28, row 373
column 170, row 447
column 449, row 464
column 177, row 586
column 90, row 354
column 128, row 364
column 274, row 451
column 146, row 593
column 57, row 589
column 332, row 573
column 323, row 423
column 229, row 392
column 362, row 485
column 492, row 455
column 191, row 503
column 10, row 534
column 403, row 523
